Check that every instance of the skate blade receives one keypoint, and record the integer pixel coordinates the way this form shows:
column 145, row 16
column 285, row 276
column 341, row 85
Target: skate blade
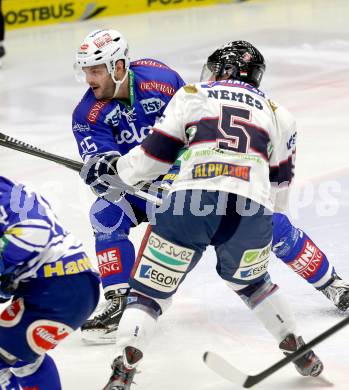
column 98, row 337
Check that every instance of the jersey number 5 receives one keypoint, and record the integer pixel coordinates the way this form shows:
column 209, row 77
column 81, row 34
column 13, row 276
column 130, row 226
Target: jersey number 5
column 233, row 126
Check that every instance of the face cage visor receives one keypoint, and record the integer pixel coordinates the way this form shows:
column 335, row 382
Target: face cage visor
column 207, row 74
column 212, row 71
column 80, row 75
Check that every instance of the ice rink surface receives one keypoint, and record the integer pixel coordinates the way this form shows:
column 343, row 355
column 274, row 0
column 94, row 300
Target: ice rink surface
column 306, row 46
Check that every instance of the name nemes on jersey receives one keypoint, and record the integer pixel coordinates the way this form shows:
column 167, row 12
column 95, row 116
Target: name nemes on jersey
column 225, row 94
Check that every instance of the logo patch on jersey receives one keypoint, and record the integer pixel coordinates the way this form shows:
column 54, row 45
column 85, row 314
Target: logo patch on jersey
column 256, row 255
column 153, row 85
column 253, row 263
column 113, row 118
column 172, row 255
column 272, row 105
column 109, row 262
column 31, row 388
column 190, row 88
column 81, row 127
column 157, row 277
column 12, row 315
column 187, row 154
column 43, row 335
column 152, row 105
column 95, row 110
column 162, row 264
column 145, row 271
column 292, row 141
column 66, row 267
column 215, row 169
column 255, row 271
column 132, row 135
column 309, row 260
column 151, row 63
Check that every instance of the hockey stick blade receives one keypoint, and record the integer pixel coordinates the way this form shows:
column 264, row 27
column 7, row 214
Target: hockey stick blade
column 223, row 368
column 13, row 143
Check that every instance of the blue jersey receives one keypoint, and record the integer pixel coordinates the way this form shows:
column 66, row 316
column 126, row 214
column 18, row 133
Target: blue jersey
column 33, row 244
column 103, row 125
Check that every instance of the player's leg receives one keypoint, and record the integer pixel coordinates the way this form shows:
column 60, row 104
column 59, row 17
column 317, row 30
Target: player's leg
column 299, row 252
column 242, row 262
column 169, row 250
column 115, row 255
column 44, row 312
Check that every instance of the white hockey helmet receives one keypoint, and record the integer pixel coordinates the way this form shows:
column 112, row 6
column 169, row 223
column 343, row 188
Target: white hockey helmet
column 103, row 47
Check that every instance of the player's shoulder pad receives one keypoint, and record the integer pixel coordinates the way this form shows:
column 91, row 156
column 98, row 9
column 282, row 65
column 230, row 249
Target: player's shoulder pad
column 149, row 62
column 190, row 88
column 283, row 116
column 89, row 108
column 157, row 71
column 272, row 105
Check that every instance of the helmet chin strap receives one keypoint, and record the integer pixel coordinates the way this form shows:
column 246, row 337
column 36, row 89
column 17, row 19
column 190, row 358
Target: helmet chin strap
column 118, row 83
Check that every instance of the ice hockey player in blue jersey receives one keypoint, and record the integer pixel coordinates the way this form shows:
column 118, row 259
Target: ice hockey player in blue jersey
column 48, row 282
column 123, row 101
column 115, row 114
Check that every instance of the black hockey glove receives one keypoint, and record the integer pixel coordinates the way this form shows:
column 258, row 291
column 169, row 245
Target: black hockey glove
column 100, row 173
column 7, row 287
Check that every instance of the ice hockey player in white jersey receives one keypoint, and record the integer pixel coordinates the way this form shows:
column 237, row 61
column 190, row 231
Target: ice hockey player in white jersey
column 223, row 196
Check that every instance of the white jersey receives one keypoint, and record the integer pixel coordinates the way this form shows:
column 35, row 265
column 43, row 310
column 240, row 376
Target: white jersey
column 237, row 141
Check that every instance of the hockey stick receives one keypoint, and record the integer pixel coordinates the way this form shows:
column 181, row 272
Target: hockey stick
column 12, row 143
column 232, row 374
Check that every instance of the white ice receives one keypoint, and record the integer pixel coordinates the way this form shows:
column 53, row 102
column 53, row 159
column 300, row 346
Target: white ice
column 306, row 45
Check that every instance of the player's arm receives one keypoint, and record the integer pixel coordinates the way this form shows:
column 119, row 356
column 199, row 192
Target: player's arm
column 282, row 160
column 24, row 241
column 160, row 149
column 92, row 135
column 111, row 174
column 20, row 244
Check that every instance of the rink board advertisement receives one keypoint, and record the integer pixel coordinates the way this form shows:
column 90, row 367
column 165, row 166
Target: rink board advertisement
column 25, row 13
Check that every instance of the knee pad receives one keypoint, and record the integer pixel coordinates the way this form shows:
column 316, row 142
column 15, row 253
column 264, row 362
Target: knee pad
column 285, row 237
column 154, row 306
column 106, row 217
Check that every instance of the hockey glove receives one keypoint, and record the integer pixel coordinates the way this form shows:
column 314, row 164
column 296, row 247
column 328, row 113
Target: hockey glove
column 7, row 286
column 100, row 173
